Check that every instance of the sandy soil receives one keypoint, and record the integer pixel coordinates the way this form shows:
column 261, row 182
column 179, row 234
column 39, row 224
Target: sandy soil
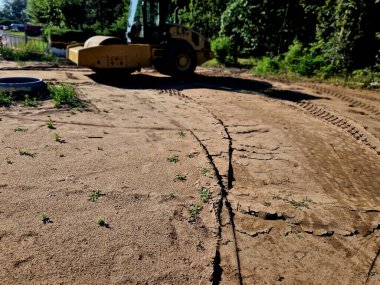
column 293, row 169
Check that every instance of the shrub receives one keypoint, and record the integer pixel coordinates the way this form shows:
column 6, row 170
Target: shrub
column 5, row 99
column 267, row 65
column 64, row 95
column 222, row 49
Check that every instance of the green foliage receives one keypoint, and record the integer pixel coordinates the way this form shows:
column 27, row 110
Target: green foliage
column 44, row 217
column 267, row 65
column 5, row 99
column 173, row 158
column 206, row 21
column 205, row 194
column 64, row 95
column 98, row 16
column 95, row 195
column 195, row 210
column 180, row 177
column 30, row 102
column 61, row 37
column 222, row 48
column 14, row 10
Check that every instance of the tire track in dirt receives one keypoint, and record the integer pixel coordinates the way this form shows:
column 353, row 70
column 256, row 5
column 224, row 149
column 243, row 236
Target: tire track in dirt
column 346, row 98
column 347, row 125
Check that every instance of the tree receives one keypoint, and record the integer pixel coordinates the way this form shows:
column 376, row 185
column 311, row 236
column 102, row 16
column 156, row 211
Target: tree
column 14, row 10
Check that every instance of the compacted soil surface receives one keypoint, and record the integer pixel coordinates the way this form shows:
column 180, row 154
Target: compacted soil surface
column 219, row 179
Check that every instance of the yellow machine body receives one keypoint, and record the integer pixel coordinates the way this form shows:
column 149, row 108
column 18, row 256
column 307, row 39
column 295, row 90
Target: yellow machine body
column 110, row 56
column 101, row 52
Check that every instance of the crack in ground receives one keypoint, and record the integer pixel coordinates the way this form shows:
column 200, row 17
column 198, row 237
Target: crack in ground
column 266, row 231
column 217, row 269
column 370, row 272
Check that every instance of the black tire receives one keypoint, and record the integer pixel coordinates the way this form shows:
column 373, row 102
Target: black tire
column 182, row 60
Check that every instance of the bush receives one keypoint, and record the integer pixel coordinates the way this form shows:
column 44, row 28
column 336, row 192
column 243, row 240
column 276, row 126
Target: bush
column 64, row 95
column 367, row 77
column 5, row 99
column 60, row 38
column 268, row 65
column 222, row 49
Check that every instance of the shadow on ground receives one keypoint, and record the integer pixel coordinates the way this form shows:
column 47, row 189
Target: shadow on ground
column 241, row 85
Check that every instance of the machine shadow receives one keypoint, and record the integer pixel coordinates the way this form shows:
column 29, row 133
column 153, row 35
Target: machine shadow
column 198, row 81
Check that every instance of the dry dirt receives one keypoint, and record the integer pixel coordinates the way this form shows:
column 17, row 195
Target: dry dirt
column 293, row 169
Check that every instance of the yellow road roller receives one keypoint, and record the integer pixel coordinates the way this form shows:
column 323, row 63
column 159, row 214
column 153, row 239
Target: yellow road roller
column 152, row 39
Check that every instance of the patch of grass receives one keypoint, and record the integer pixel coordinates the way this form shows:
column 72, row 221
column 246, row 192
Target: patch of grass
column 181, row 133
column 5, row 99
column 100, row 148
column 49, row 124
column 8, row 160
column 44, row 217
column 20, row 129
column 101, row 222
column 30, row 102
column 58, row 138
column 64, row 95
column 195, row 210
column 180, row 177
column 171, row 195
column 199, row 244
column 206, row 171
column 94, row 195
column 173, row 158
column 105, row 132
column 205, row 194
column 299, row 204
column 305, row 202
column 26, row 152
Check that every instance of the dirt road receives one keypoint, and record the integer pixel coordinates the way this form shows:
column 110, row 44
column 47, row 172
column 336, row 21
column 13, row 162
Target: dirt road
column 293, row 170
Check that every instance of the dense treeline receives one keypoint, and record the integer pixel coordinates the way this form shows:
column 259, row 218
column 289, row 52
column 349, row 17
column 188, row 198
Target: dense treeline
column 309, row 37
column 98, row 16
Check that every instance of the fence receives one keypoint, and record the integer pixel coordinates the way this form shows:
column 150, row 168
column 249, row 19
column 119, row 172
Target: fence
column 16, row 42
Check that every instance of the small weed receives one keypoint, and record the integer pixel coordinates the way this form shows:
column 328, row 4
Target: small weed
column 94, row 195
column 101, row 222
column 199, row 245
column 105, row 111
column 26, row 152
column 195, row 210
column 140, row 117
column 205, row 194
column 30, row 102
column 45, row 218
column 277, row 197
column 372, row 273
column 8, row 160
column 20, row 130
column 59, row 154
column 105, row 132
column 173, row 158
column 296, row 204
column 58, row 138
column 299, row 204
column 179, row 177
column 5, row 99
column 100, row 148
column 50, row 125
column 206, row 171
column 181, row 133
column 171, row 195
